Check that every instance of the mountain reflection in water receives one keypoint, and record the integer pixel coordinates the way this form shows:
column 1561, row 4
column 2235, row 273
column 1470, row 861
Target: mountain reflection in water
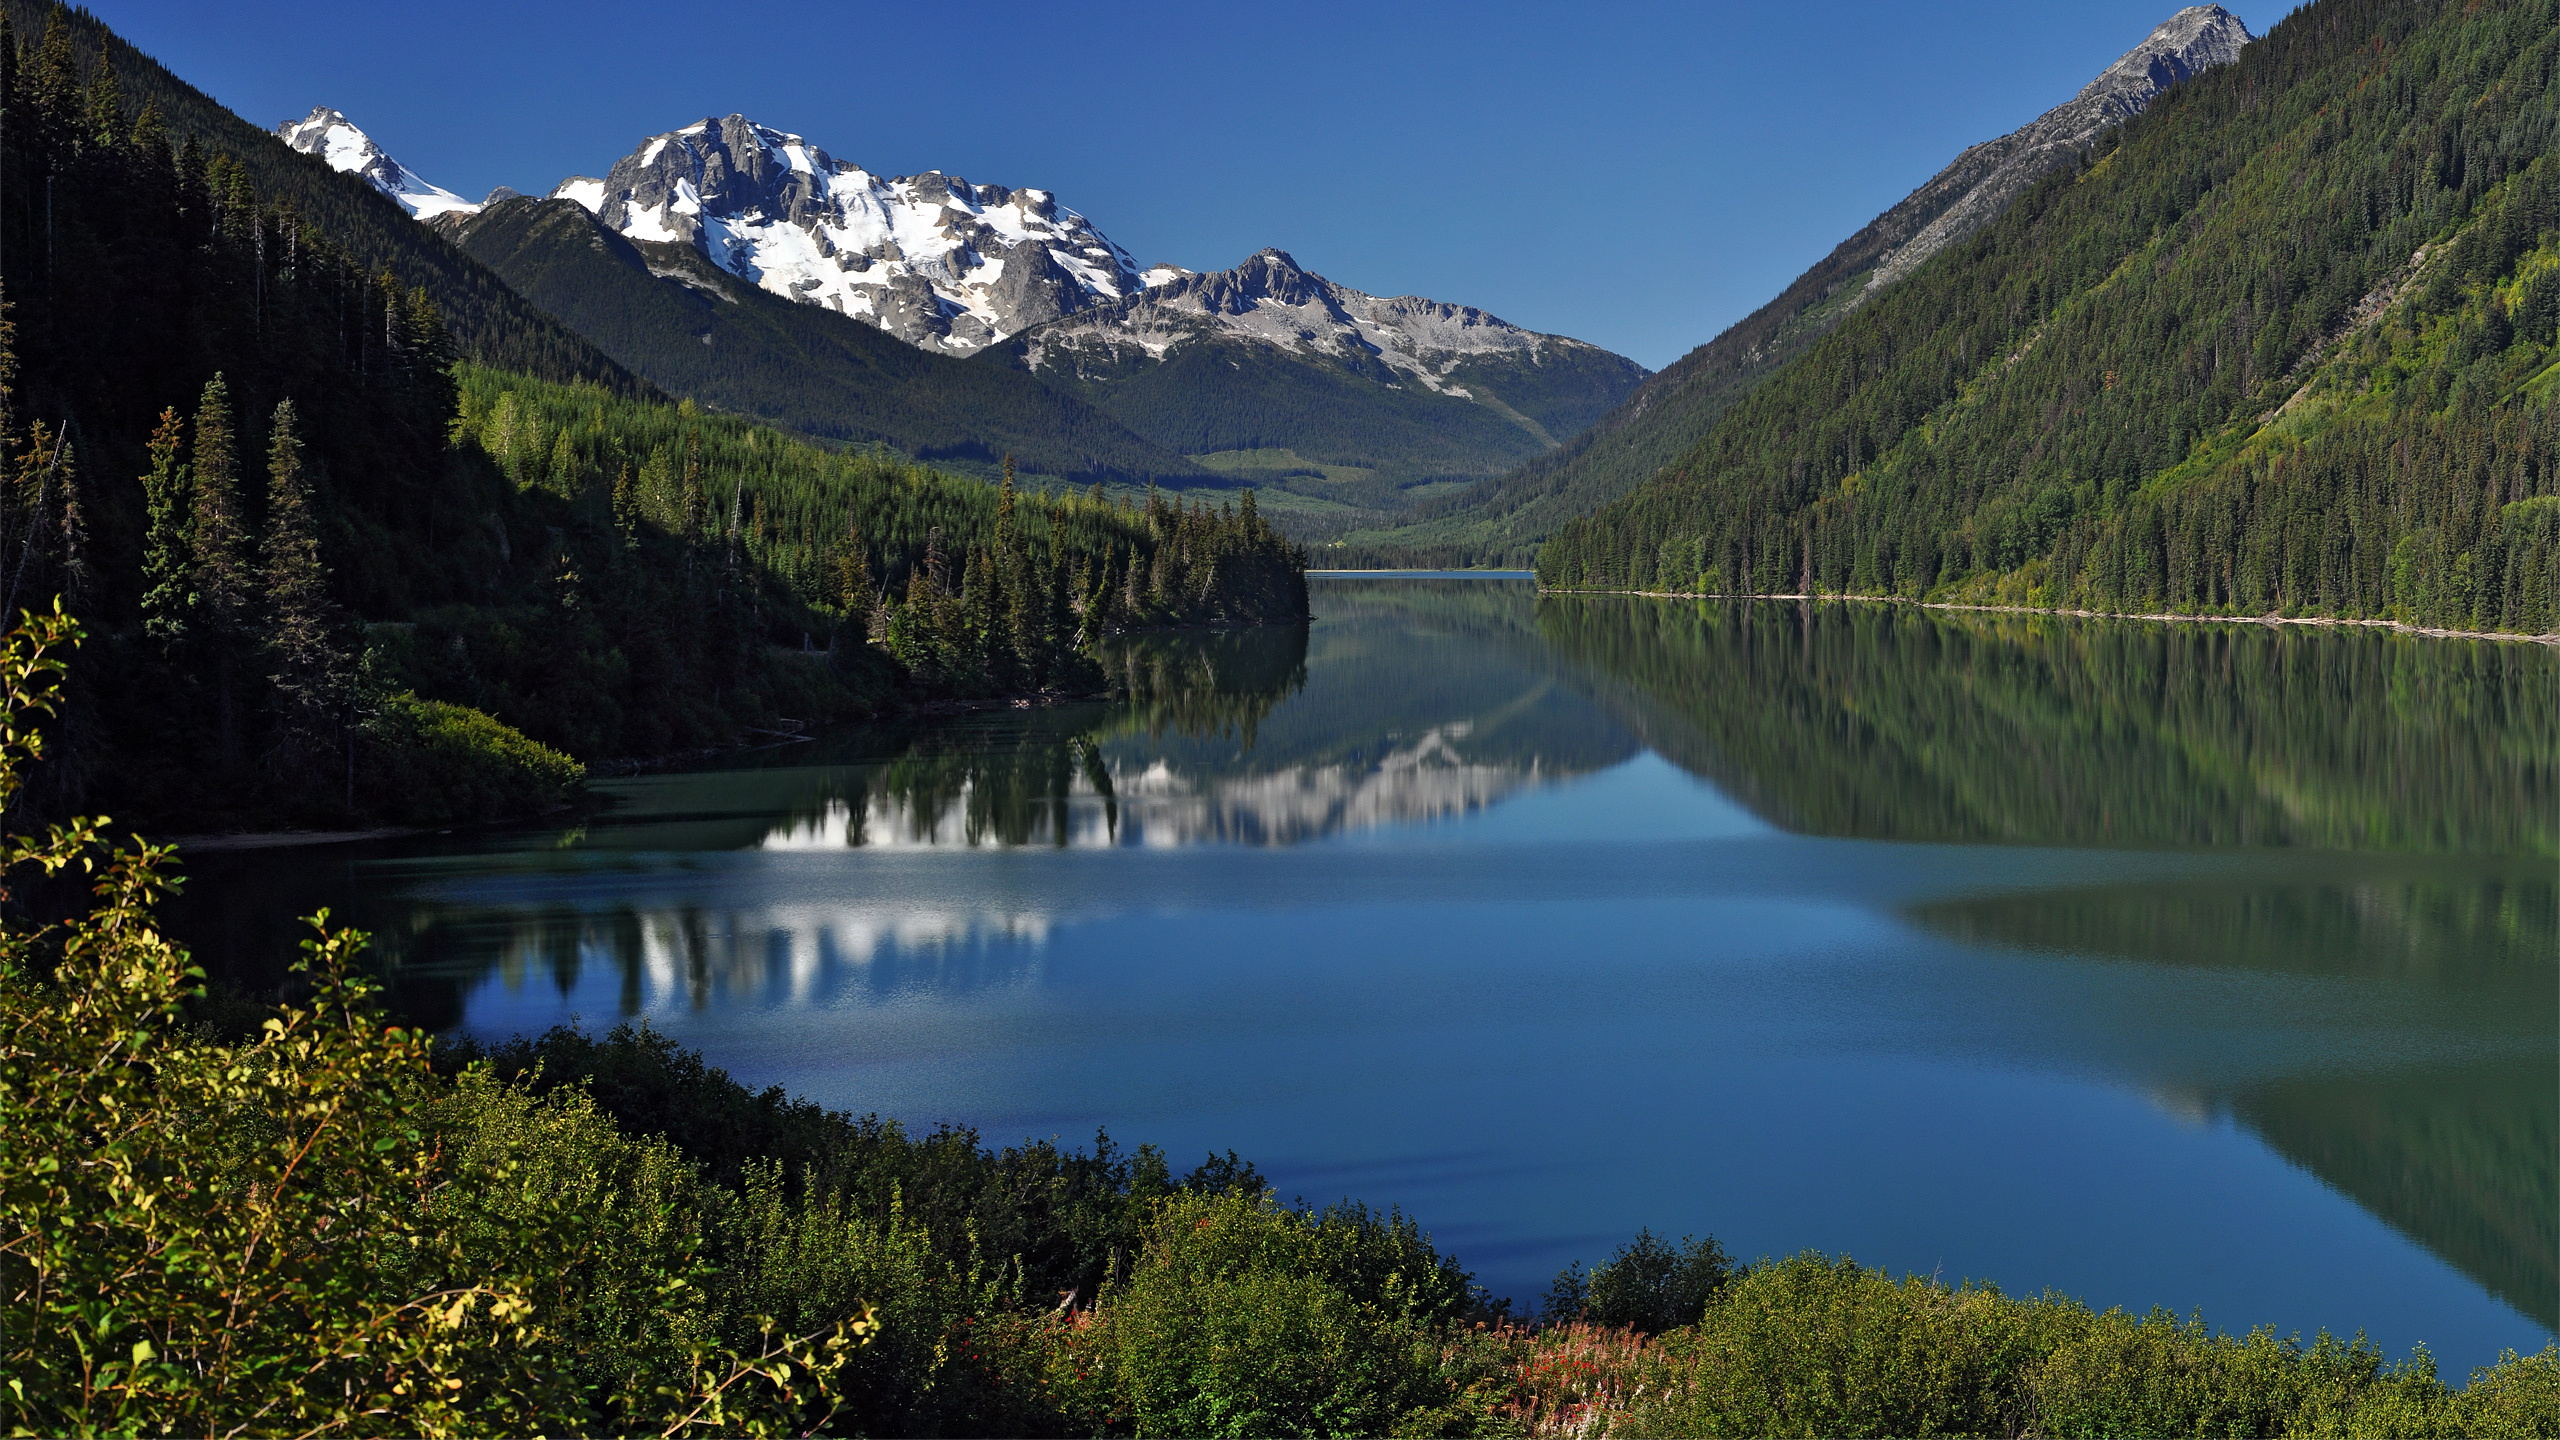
column 2296, row 882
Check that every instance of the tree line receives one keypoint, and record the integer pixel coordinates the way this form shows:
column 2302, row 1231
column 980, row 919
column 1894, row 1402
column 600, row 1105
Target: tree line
column 2283, row 344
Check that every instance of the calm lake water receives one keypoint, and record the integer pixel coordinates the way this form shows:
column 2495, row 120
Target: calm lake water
column 2191, row 966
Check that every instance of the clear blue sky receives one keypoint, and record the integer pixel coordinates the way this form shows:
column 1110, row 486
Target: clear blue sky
column 1637, row 175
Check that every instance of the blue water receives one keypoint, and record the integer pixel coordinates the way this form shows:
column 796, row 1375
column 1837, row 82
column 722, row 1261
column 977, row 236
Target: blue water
column 1450, row 932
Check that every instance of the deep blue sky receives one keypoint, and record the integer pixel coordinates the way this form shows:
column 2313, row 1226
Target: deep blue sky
column 1637, row 175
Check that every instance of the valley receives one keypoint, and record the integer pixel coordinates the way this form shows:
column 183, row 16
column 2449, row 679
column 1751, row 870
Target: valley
column 836, row 724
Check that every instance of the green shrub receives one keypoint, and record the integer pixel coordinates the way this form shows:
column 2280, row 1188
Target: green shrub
column 623, row 1282
column 941, row 1361
column 426, row 762
column 1243, row 1318
column 1812, row 1346
column 1063, row 1216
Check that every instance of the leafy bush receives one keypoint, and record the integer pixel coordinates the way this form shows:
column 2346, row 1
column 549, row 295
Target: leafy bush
column 1244, row 1318
column 1813, row 1346
column 428, row 762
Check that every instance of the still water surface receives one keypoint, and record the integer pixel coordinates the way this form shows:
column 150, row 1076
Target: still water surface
column 2204, row 967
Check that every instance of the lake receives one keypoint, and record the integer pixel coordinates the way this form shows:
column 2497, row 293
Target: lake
column 2200, row 966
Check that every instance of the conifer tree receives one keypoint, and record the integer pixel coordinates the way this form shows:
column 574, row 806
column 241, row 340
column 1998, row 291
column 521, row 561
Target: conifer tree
column 301, row 622
column 164, row 538
column 219, row 576
column 102, row 107
column 626, row 508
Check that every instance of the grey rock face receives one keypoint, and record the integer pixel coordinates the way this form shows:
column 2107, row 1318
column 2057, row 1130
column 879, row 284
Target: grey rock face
column 1269, row 301
column 1982, row 181
column 930, row 258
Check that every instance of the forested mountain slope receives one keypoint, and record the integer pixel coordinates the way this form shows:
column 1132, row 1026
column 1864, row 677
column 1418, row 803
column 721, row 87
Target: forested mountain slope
column 301, row 540
column 671, row 315
column 490, row 323
column 2287, row 347
column 1502, row 521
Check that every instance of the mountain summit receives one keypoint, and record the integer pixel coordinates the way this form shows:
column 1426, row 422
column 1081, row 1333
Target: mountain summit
column 1268, row 300
column 1503, row 521
column 1293, row 381
column 326, row 133
column 930, row 258
column 1982, row 181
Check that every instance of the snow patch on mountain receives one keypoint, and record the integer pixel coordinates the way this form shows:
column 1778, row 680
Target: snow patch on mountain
column 1268, row 300
column 327, row 134
column 930, row 258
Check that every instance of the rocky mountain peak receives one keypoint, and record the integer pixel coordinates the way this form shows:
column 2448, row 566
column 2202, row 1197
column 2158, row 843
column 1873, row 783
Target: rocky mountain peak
column 931, row 258
column 1269, row 300
column 331, row 136
column 1969, row 193
column 2196, row 38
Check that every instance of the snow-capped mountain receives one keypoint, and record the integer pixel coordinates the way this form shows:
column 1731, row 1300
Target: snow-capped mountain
column 326, row 133
column 1984, row 179
column 1268, row 301
column 930, row 258
column 1270, row 371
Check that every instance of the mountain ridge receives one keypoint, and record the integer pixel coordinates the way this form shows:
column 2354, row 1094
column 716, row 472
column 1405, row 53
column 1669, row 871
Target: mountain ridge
column 1503, row 520
column 2286, row 348
column 936, row 261
column 1267, row 358
column 490, row 323
column 348, row 150
column 693, row 328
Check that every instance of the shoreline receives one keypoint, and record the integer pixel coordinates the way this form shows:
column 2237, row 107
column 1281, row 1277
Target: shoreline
column 2325, row 621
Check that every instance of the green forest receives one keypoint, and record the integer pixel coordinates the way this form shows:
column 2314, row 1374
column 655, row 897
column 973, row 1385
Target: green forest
column 2285, row 346
column 358, row 578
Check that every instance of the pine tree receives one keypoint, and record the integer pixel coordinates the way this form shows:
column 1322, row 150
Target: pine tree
column 220, row 575
column 301, row 624
column 626, row 508
column 165, row 536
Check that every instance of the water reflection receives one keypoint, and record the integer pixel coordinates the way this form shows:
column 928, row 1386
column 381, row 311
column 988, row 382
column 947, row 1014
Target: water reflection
column 1893, row 722
column 1904, row 724
column 2298, row 883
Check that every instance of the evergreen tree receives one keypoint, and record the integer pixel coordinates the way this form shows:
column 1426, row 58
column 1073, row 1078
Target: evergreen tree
column 220, row 575
column 165, row 542
column 301, row 624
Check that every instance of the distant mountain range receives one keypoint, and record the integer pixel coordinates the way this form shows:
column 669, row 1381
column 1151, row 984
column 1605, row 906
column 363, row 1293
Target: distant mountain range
column 664, row 309
column 1279, row 375
column 932, row 259
column 1503, row 521
column 1348, row 403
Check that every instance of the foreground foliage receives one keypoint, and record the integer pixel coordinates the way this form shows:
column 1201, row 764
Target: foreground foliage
column 1815, row 1346
column 288, row 1232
